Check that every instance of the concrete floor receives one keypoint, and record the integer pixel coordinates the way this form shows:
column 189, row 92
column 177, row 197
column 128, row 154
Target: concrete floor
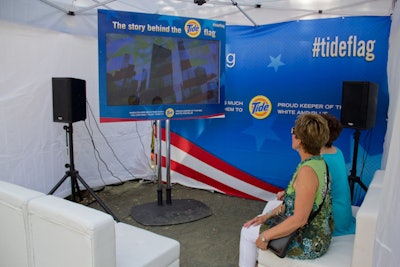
column 207, row 242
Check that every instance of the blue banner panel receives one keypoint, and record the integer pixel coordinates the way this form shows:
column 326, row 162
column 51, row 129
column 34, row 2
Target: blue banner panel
column 160, row 67
column 276, row 72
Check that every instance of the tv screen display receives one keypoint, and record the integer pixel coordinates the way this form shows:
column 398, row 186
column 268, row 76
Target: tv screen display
column 159, row 71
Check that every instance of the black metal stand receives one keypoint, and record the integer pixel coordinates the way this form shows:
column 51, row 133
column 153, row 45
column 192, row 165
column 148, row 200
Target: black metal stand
column 182, row 210
column 75, row 177
column 353, row 178
column 168, row 189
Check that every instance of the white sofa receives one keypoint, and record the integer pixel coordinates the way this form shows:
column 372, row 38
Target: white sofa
column 348, row 250
column 45, row 231
column 14, row 244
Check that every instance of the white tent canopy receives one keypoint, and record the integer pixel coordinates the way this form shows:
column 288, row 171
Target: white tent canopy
column 39, row 41
column 83, row 13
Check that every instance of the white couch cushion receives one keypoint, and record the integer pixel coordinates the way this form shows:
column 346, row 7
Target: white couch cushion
column 141, row 248
column 339, row 252
column 65, row 234
column 14, row 242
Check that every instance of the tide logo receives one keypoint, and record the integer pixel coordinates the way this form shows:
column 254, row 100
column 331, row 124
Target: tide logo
column 192, row 28
column 260, row 107
column 169, row 112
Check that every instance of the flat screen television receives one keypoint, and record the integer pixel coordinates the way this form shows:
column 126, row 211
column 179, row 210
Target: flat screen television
column 159, row 71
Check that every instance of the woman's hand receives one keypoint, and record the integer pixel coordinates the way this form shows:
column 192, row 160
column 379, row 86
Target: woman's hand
column 260, row 219
column 279, row 195
column 261, row 242
column 279, row 210
column 255, row 221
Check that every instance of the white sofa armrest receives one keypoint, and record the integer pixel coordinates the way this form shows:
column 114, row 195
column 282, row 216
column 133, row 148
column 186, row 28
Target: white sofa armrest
column 15, row 249
column 65, row 234
column 367, row 217
column 377, row 180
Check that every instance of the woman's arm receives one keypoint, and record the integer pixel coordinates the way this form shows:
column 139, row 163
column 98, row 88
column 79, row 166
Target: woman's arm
column 305, row 186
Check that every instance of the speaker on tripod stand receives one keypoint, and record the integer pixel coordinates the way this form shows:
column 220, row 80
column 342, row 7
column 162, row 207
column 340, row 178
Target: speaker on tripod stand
column 69, row 106
column 359, row 102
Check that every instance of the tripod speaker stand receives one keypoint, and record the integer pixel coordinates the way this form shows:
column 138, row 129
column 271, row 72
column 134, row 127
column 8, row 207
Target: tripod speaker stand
column 353, row 178
column 74, row 176
column 359, row 103
column 69, row 105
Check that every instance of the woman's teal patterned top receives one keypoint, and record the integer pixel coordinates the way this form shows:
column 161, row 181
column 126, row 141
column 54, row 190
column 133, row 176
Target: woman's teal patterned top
column 314, row 238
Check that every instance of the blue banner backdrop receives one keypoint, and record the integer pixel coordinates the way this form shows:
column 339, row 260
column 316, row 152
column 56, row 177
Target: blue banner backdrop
column 273, row 74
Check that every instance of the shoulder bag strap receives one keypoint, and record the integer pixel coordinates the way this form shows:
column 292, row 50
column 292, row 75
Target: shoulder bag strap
column 313, row 214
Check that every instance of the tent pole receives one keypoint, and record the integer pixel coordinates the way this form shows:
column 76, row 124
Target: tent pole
column 54, row 5
column 94, row 6
column 244, row 13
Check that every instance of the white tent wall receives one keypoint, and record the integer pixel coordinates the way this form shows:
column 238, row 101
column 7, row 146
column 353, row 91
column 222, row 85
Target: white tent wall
column 33, row 147
column 386, row 252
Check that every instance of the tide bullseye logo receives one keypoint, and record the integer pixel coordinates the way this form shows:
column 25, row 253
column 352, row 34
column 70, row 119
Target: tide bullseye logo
column 192, row 28
column 169, row 112
column 260, row 107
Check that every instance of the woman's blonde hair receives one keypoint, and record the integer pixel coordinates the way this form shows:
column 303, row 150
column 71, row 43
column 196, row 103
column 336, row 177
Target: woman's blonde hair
column 313, row 131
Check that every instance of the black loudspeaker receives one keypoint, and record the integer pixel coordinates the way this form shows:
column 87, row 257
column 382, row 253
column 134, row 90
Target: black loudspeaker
column 359, row 101
column 69, row 100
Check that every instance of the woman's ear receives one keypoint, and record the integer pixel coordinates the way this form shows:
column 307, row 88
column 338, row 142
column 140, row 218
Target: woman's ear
column 296, row 143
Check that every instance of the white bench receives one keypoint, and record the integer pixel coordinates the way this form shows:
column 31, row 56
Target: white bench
column 47, row 231
column 348, row 250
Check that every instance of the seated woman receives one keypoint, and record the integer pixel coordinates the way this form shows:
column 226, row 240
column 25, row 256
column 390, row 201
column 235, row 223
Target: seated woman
column 345, row 223
column 307, row 190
